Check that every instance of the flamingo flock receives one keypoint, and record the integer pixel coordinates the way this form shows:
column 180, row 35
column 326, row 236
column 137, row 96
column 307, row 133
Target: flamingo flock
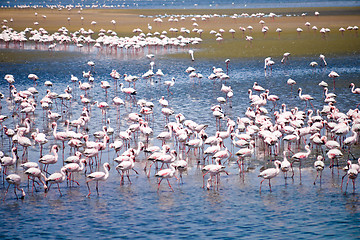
column 76, row 142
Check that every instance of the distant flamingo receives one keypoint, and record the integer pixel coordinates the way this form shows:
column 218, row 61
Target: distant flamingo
column 333, row 75
column 354, row 90
column 291, row 82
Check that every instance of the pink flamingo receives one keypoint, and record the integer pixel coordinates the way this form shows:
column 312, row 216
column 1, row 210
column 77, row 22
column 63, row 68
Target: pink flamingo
column 305, row 98
column 300, row 156
column 126, row 166
column 333, row 75
column 213, row 170
column 74, row 167
column 98, row 176
column 50, row 158
column 15, row 180
column 270, row 173
column 166, row 174
column 354, row 90
column 9, row 161
column 319, row 166
column 56, row 178
column 36, row 173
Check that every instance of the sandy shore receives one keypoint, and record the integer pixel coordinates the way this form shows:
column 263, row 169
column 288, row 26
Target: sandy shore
column 308, row 42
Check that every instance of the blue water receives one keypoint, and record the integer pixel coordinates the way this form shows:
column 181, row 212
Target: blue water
column 182, row 4
column 293, row 210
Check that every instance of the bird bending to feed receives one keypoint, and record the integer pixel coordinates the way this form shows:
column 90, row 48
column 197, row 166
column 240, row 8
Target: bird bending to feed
column 15, row 180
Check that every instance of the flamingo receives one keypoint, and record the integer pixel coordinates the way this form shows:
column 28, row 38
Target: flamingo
column 50, row 158
column 213, row 170
column 319, row 166
column 333, row 154
column 244, row 152
column 62, row 136
column 181, row 165
column 352, row 174
column 354, row 90
column 191, row 52
column 270, row 173
column 126, row 166
column 84, row 86
column 285, row 165
column 15, row 180
column 75, row 167
column 163, row 102
column 103, row 106
column 39, row 138
column 56, row 178
column 167, row 158
column 285, row 57
column 36, row 173
column 166, row 174
column 9, row 161
column 98, row 176
column 170, row 84
column 305, row 97
column 257, row 87
column 300, row 156
column 322, row 58
column 333, row 75
column 130, row 91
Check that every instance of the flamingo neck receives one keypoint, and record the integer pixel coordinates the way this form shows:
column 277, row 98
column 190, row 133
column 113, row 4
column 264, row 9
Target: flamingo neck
column 106, row 172
column 81, row 164
column 13, row 155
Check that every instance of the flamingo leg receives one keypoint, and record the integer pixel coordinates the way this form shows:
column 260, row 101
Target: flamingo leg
column 59, row 189
column 87, row 183
column 6, row 192
column 342, row 180
column 159, row 184
column 270, row 185
column 316, row 177
column 261, row 184
column 170, row 185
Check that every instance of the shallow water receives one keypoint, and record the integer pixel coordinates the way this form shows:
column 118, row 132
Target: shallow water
column 137, row 210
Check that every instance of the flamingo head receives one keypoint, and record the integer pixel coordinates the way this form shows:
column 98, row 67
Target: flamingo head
column 54, row 124
column 107, row 165
column 56, row 147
